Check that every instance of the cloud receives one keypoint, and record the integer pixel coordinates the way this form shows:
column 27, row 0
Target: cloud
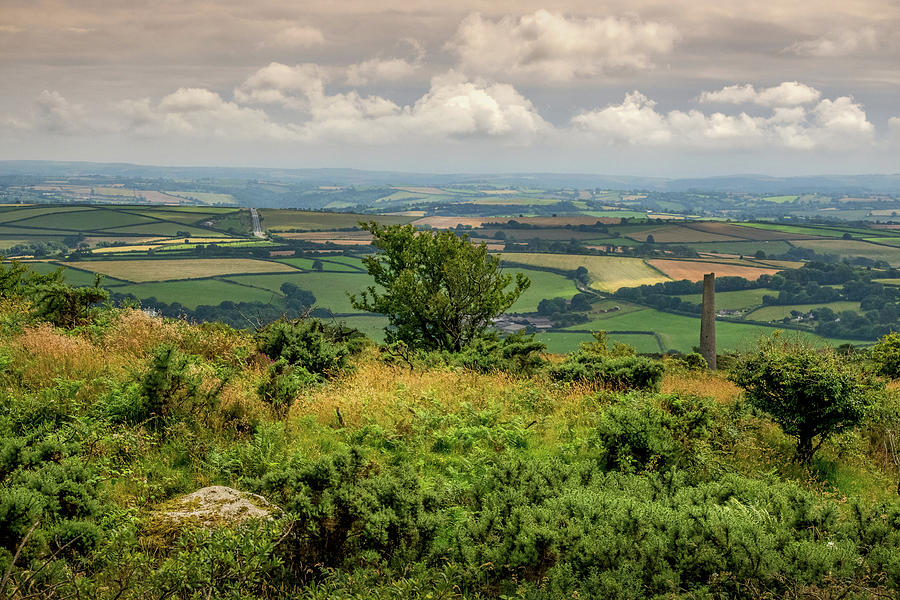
column 553, row 47
column 788, row 93
column 296, row 36
column 281, row 84
column 198, row 112
column 840, row 123
column 53, row 113
column 377, row 69
column 894, row 129
column 840, row 43
column 453, row 108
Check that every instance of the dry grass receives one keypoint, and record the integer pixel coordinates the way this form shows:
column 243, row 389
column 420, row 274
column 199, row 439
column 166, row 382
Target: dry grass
column 713, row 385
column 50, row 354
column 392, row 396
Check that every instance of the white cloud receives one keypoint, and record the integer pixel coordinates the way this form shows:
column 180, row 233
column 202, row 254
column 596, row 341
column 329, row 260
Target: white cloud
column 894, row 129
column 553, row 47
column 840, row 43
column 378, row 69
column 453, row 108
column 281, row 84
column 199, row 112
column 788, row 93
column 52, row 113
column 838, row 123
column 297, row 36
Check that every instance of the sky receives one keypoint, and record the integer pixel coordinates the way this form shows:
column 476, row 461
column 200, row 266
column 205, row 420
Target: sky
column 670, row 88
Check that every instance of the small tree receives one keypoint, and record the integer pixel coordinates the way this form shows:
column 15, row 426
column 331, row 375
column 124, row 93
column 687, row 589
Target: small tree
column 438, row 290
column 811, row 393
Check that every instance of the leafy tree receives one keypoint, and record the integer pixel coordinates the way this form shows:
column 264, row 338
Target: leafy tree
column 438, row 290
column 811, row 393
column 318, row 265
column 886, row 355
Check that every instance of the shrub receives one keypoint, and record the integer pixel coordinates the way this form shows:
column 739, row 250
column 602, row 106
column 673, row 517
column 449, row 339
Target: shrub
column 516, row 353
column 886, row 355
column 617, row 367
column 283, row 382
column 67, row 306
column 307, row 343
column 348, row 509
column 637, row 433
column 811, row 393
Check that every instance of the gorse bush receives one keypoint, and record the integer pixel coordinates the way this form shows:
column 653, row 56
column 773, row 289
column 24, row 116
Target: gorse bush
column 68, row 306
column 308, row 343
column 638, row 433
column 283, row 382
column 49, row 507
column 615, row 368
column 516, row 353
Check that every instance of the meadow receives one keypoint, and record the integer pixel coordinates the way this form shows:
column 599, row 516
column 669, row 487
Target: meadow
column 607, row 273
column 168, row 269
column 682, row 333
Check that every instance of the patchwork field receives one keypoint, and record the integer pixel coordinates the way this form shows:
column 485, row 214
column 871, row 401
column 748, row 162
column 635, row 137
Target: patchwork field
column 543, row 285
column 733, row 300
column 777, row 313
column 281, row 219
column 193, row 293
column 682, row 333
column 854, row 248
column 165, row 270
column 607, row 273
column 694, row 270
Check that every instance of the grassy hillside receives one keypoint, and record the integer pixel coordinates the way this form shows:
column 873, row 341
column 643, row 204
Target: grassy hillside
column 413, row 477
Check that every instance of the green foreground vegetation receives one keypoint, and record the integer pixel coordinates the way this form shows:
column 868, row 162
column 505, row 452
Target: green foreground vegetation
column 393, row 471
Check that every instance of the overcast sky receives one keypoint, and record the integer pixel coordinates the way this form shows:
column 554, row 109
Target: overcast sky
column 643, row 87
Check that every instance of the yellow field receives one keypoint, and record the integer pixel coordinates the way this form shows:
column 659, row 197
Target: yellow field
column 608, row 273
column 140, row 271
column 694, row 270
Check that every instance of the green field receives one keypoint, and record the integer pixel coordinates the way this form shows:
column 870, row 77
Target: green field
column 164, row 229
column 330, row 289
column 543, row 285
column 742, row 248
column 777, row 313
column 733, row 300
column 281, row 219
column 73, row 276
column 682, row 333
column 15, row 214
column 196, row 292
column 853, row 248
column 560, row 342
column 780, row 199
column 86, row 220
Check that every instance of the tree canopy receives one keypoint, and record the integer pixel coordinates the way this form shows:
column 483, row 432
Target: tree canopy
column 438, row 290
column 810, row 392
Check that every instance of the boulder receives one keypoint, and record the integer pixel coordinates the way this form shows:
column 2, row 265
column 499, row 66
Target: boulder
column 218, row 504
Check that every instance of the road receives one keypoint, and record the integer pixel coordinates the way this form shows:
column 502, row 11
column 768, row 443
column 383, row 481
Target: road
column 257, row 230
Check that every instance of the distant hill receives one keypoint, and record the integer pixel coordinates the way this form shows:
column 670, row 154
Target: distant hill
column 850, row 184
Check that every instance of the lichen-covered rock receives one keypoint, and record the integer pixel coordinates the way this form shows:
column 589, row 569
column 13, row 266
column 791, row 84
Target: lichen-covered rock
column 218, row 505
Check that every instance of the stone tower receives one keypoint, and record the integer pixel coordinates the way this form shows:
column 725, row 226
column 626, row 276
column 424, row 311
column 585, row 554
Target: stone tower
column 708, row 320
